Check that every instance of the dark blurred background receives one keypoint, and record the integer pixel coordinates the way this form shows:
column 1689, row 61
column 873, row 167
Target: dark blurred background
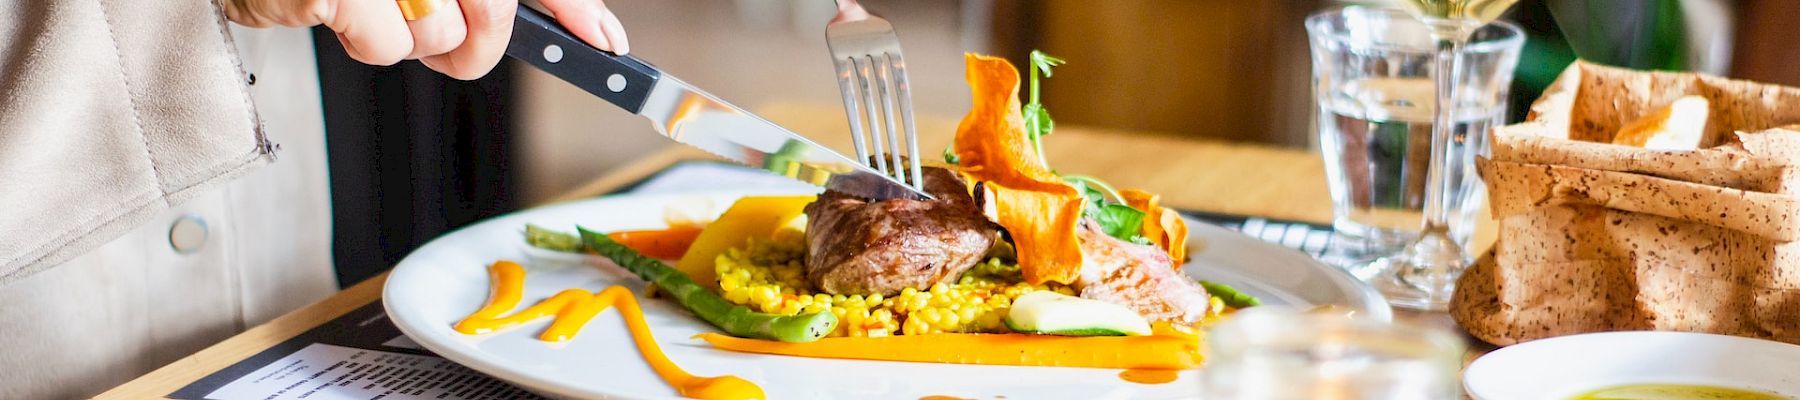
column 414, row 154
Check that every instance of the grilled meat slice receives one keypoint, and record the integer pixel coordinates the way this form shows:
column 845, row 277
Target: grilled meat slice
column 1139, row 277
column 855, row 246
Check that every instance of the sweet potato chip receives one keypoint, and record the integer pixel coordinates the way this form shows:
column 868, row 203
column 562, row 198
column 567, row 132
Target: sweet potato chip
column 1037, row 207
column 1161, row 225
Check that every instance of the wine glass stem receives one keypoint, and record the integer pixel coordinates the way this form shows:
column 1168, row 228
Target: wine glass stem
column 1437, row 179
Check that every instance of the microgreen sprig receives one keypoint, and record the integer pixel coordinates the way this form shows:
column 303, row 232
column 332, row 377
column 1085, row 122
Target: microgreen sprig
column 1037, row 119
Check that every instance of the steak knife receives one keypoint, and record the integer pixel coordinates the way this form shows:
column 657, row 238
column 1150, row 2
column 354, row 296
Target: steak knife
column 691, row 116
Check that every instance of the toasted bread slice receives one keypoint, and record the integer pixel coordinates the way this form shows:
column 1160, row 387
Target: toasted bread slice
column 1679, row 126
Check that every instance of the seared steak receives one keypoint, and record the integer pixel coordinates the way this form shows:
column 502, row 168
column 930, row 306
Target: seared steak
column 855, row 246
column 1139, row 277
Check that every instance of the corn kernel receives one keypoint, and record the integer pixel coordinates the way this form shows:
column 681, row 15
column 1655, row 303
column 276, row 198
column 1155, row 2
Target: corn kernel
column 939, row 289
column 769, row 275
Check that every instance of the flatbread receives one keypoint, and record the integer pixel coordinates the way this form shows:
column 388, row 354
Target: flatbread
column 1596, row 236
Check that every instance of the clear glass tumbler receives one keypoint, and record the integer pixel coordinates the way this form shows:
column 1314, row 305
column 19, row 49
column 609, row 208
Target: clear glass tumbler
column 1374, row 93
column 1272, row 354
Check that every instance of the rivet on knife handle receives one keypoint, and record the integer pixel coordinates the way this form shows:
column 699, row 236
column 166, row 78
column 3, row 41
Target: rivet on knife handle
column 538, row 39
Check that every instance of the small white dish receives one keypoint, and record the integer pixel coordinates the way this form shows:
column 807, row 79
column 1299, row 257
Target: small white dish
column 1562, row 367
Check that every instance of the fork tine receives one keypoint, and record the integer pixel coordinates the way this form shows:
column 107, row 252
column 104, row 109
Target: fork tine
column 863, row 72
column 903, row 90
column 866, row 51
column 891, row 134
column 845, row 68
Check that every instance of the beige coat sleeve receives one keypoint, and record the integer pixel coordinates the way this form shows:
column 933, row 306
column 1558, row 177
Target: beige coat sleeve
column 112, row 111
column 205, row 255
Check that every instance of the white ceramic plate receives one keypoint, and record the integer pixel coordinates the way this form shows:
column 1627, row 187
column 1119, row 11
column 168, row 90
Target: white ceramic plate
column 1560, row 367
column 446, row 279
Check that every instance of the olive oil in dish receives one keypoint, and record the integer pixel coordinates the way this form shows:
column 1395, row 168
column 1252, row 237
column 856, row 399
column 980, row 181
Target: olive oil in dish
column 1664, row 391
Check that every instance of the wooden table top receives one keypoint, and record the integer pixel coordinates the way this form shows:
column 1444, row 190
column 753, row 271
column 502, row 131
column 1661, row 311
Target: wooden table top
column 1214, row 176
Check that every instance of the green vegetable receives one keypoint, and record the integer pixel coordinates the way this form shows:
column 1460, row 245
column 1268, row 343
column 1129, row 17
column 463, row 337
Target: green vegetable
column 1115, row 218
column 1037, row 119
column 734, row 319
column 784, row 161
column 1051, row 313
column 1231, row 296
column 1119, row 220
column 547, row 239
column 1141, row 240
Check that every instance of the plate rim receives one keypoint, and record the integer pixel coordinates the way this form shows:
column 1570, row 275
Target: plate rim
column 1376, row 307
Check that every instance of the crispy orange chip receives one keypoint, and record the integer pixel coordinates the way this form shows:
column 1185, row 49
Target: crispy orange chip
column 1161, row 225
column 1037, row 207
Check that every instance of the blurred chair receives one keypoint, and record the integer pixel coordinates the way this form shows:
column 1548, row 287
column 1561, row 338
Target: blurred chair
column 1765, row 40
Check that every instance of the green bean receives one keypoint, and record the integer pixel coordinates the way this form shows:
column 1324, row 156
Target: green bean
column 547, row 239
column 1231, row 296
column 734, row 319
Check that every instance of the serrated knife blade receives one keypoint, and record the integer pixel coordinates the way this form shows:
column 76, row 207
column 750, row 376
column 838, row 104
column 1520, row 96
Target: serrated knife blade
column 691, row 116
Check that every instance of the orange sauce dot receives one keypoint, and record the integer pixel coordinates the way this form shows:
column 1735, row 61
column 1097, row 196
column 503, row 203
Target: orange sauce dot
column 1148, row 376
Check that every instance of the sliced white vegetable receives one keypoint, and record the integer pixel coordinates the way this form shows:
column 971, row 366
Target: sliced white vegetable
column 1051, row 312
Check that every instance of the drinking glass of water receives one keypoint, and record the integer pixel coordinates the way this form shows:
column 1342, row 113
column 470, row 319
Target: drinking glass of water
column 1373, row 86
column 1275, row 354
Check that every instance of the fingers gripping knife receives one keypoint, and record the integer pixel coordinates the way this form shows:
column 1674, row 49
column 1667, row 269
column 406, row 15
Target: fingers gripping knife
column 691, row 116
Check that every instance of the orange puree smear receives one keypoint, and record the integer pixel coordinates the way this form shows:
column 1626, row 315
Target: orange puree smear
column 1148, row 376
column 573, row 308
column 943, row 398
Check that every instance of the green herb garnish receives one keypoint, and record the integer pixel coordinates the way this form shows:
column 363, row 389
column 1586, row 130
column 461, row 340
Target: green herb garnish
column 1108, row 209
column 1104, row 204
column 1037, row 119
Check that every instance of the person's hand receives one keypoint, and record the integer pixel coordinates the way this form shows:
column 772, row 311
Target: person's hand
column 462, row 38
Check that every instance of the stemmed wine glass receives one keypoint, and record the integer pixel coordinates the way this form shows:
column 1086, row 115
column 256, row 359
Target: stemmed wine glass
column 1423, row 274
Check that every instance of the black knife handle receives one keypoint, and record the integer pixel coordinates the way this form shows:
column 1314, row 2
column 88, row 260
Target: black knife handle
column 624, row 81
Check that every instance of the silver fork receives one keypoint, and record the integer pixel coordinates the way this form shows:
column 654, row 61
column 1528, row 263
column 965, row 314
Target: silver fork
column 872, row 76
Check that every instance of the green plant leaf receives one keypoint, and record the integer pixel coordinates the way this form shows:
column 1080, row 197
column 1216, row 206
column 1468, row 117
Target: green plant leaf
column 1119, row 220
column 1140, row 240
column 1043, row 62
column 1037, row 119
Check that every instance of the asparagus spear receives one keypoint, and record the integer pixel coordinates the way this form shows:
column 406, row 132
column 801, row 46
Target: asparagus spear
column 733, row 319
column 547, row 239
column 1230, row 295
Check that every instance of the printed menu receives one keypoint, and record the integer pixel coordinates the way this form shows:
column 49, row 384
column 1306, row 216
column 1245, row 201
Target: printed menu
column 359, row 356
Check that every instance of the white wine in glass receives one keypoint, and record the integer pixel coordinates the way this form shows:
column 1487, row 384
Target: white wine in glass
column 1476, row 12
column 1423, row 275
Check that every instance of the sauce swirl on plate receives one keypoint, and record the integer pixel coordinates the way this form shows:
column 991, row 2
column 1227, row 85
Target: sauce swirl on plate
column 1148, row 376
column 573, row 308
